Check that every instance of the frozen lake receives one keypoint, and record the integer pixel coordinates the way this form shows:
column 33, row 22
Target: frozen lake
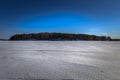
column 56, row 60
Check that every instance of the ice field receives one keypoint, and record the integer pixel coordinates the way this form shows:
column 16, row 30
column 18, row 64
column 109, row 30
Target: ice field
column 57, row 60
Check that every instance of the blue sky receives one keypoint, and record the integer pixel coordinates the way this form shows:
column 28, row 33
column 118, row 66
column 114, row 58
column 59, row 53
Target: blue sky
column 99, row 17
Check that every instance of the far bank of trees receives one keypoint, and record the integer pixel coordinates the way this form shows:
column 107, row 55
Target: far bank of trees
column 59, row 36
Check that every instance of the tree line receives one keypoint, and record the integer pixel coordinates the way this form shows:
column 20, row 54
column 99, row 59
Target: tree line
column 59, row 36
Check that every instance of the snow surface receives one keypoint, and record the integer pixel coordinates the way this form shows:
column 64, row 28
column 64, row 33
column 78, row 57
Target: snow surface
column 56, row 60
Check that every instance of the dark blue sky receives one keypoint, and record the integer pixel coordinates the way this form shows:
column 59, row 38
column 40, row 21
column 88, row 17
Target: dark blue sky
column 100, row 17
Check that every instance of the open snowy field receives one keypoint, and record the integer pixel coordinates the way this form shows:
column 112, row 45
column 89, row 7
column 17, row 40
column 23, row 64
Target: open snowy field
column 56, row 60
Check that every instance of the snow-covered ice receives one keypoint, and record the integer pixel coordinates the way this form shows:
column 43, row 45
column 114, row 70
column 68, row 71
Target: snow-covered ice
column 56, row 60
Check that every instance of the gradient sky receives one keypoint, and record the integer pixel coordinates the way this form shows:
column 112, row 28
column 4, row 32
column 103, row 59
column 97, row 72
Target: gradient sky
column 99, row 17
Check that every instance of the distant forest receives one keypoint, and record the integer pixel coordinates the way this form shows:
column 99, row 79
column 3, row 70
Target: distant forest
column 59, row 36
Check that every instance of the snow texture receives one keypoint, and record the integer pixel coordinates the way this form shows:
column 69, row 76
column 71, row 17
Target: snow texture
column 57, row 60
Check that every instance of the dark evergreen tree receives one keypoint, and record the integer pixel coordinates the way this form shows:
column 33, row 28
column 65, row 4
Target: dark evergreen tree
column 59, row 36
